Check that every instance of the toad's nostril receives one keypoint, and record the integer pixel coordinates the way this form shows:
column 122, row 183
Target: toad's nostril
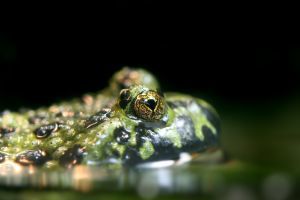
column 151, row 103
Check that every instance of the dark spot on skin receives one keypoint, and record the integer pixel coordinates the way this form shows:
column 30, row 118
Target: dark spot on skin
column 98, row 118
column 122, row 136
column 163, row 148
column 116, row 154
column 132, row 157
column 45, row 131
column 72, row 156
column 5, row 131
column 124, row 98
column 32, row 157
column 2, row 157
column 209, row 138
column 142, row 133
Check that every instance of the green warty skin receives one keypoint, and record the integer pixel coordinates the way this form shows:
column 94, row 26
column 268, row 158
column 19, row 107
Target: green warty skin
column 128, row 123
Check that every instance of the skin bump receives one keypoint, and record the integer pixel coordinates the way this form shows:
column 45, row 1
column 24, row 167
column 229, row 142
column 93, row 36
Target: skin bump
column 146, row 150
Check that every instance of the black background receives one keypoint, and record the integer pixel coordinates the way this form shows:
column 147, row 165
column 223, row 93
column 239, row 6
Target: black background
column 40, row 67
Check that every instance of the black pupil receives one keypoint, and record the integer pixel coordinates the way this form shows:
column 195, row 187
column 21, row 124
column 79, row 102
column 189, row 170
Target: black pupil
column 151, row 103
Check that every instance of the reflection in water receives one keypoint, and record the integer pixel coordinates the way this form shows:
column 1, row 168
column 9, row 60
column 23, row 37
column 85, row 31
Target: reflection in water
column 151, row 182
column 87, row 178
column 230, row 180
column 81, row 178
column 281, row 183
column 238, row 193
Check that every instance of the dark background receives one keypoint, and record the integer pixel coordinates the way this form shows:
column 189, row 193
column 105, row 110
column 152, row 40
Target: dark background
column 38, row 68
column 251, row 77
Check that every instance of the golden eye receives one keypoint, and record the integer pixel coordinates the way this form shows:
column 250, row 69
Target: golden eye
column 149, row 106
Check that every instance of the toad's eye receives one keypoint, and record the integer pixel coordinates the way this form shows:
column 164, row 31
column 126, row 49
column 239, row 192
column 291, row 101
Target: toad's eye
column 149, row 106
